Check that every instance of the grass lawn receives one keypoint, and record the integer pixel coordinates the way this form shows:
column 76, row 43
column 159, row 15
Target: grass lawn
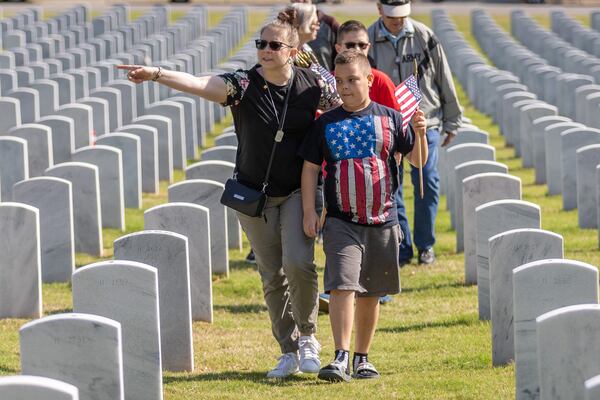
column 429, row 344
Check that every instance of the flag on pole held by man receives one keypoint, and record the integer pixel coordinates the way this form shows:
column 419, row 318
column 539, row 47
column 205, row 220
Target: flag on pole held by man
column 408, row 96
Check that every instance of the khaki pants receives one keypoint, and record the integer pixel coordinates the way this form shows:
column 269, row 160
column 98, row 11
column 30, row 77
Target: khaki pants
column 285, row 259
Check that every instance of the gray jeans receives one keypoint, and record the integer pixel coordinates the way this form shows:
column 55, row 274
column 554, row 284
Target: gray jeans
column 285, row 259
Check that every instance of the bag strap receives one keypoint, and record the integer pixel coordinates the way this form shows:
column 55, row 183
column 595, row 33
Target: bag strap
column 279, row 134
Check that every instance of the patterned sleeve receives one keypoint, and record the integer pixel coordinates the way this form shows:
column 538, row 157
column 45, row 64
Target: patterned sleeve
column 237, row 82
column 329, row 95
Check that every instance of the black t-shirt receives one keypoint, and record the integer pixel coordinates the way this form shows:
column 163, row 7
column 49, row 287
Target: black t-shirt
column 256, row 124
column 361, row 176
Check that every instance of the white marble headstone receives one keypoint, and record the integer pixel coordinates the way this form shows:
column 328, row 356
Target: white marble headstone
column 461, row 172
column 538, row 131
column 54, row 201
column 491, row 219
column 81, row 349
column 222, row 153
column 39, row 146
column 173, row 111
column 509, row 250
column 127, row 292
column 460, row 154
column 164, row 143
column 588, row 157
column 194, row 222
column 87, row 220
column 14, row 166
column 572, row 140
column 477, row 190
column 27, row 387
column 110, row 177
column 207, row 193
column 219, row 171
column 568, row 348
column 149, row 154
column 539, row 287
column 132, row 165
column 20, row 265
column 168, row 253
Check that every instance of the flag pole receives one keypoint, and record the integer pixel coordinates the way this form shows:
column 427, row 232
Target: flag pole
column 420, row 144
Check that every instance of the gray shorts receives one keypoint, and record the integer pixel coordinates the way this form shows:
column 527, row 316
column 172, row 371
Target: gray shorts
column 361, row 258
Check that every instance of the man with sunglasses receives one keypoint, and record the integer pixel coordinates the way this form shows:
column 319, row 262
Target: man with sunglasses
column 397, row 41
column 353, row 35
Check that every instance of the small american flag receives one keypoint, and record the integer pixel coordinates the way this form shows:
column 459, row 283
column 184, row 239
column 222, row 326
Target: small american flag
column 408, row 96
column 326, row 75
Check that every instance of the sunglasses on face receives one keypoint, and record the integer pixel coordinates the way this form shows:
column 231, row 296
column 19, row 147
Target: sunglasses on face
column 274, row 45
column 353, row 45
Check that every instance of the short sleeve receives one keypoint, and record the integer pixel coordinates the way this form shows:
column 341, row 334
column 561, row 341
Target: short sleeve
column 404, row 140
column 237, row 82
column 312, row 146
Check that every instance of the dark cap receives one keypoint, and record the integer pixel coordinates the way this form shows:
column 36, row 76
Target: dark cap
column 395, row 8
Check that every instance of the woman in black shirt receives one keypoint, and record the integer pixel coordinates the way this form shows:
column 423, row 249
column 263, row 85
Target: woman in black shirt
column 284, row 255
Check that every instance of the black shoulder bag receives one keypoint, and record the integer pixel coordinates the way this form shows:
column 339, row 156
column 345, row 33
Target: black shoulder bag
column 250, row 201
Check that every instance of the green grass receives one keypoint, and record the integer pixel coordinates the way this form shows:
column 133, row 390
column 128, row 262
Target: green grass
column 429, row 343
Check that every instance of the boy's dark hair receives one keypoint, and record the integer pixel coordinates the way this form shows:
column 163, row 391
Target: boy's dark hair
column 353, row 56
column 350, row 26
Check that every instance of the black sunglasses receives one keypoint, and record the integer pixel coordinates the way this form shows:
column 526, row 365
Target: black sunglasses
column 352, row 45
column 274, row 45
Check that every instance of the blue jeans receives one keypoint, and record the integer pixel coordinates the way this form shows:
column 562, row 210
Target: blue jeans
column 426, row 208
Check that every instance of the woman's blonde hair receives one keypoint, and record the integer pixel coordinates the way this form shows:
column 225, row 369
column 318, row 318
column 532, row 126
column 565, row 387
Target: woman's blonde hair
column 306, row 14
column 287, row 21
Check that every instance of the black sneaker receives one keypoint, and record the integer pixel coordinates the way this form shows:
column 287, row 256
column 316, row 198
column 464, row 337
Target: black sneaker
column 337, row 371
column 250, row 257
column 426, row 256
column 365, row 370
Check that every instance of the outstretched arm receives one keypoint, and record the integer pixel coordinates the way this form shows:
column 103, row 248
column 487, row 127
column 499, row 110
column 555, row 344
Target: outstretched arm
column 211, row 88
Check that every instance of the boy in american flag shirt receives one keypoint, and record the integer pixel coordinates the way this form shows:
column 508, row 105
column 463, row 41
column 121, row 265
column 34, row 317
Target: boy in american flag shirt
column 361, row 233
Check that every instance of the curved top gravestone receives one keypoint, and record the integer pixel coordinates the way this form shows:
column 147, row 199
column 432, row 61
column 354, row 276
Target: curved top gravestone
column 27, row 387
column 568, row 348
column 81, row 349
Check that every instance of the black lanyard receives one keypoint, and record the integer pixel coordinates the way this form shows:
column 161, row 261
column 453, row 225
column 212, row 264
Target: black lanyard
column 280, row 122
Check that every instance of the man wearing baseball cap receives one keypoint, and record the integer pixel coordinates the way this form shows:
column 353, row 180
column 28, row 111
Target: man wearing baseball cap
column 397, row 41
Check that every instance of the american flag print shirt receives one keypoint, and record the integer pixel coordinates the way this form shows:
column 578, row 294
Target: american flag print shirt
column 360, row 147
column 361, row 176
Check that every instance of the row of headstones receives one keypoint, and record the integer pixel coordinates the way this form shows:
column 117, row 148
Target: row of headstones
column 501, row 236
column 69, row 87
column 540, row 136
column 106, row 75
column 65, row 143
column 580, row 68
column 552, row 47
column 142, row 305
column 575, row 33
column 76, row 199
column 543, row 76
column 120, row 185
column 188, row 221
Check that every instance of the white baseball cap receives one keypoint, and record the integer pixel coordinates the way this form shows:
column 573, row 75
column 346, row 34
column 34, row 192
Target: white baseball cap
column 395, row 8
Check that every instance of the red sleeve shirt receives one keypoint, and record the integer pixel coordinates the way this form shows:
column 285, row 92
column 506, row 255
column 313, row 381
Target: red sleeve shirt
column 382, row 90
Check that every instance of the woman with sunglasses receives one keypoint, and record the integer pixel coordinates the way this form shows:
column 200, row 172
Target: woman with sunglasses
column 284, row 255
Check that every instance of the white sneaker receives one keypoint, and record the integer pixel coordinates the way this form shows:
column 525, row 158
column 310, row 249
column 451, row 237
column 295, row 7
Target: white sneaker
column 287, row 365
column 309, row 354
